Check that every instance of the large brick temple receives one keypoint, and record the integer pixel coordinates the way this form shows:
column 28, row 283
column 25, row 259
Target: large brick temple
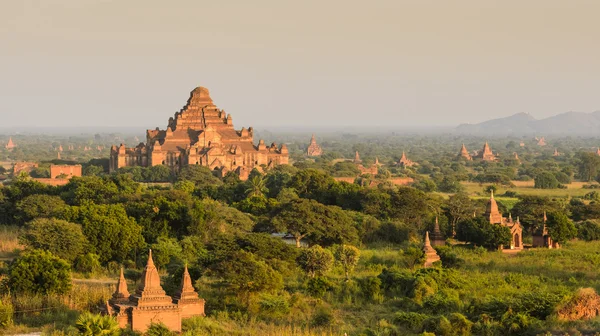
column 201, row 134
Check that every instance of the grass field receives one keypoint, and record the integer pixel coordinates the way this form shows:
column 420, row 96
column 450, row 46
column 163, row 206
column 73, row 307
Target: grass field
column 526, row 188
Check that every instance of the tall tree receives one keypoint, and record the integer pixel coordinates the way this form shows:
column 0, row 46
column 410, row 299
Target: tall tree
column 588, row 166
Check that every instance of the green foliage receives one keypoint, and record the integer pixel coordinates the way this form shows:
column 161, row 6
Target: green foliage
column 164, row 250
column 39, row 272
column 61, row 238
column 560, row 227
column 6, row 314
column 347, row 256
column 588, row 166
column 97, row 325
column 479, row 231
column 546, row 180
column 315, row 261
column 112, row 234
column 40, row 205
column 588, row 230
column 88, row 263
column 159, row 329
column 244, row 274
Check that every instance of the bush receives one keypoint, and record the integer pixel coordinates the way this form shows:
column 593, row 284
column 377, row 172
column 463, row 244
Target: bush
column 370, row 288
column 322, row 318
column 87, row 264
column 410, row 320
column 588, row 230
column 91, row 325
column 448, row 258
column 61, row 238
column 39, row 272
column 6, row 313
column 159, row 329
column 546, row 180
column 317, row 287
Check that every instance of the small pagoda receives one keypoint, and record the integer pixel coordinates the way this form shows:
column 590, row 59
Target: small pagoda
column 486, row 153
column 10, row 145
column 150, row 304
column 405, row 162
column 464, row 153
column 313, row 148
column 431, row 255
column 437, row 237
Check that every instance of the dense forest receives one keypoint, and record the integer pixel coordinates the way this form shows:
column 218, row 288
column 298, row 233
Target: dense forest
column 361, row 272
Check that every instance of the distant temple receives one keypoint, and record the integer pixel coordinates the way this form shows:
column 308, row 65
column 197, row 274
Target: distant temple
column 516, row 157
column 486, row 154
column 10, row 145
column 541, row 141
column 437, row 238
column 464, row 153
column 405, row 162
column 27, row 167
column 431, row 255
column 67, row 171
column 541, row 237
column 313, row 148
column 150, row 304
column 598, row 151
column 373, row 169
column 556, row 153
column 200, row 134
column 495, row 217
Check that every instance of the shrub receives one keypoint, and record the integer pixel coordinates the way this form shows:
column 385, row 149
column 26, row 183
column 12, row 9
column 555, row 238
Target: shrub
column 61, row 238
column 88, row 263
column 315, row 261
column 370, row 287
column 546, row 180
column 588, row 230
column 322, row 318
column 39, row 272
column 317, row 287
column 159, row 329
column 6, row 313
column 91, row 325
column 273, row 307
column 410, row 320
column 448, row 257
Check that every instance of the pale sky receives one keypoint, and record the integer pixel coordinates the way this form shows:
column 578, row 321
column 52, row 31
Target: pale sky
column 310, row 63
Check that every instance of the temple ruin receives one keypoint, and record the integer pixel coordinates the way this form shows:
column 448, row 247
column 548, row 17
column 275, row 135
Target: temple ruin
column 464, row 153
column 486, row 154
column 495, row 217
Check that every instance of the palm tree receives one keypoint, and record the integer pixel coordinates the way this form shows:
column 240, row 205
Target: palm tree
column 90, row 324
column 257, row 186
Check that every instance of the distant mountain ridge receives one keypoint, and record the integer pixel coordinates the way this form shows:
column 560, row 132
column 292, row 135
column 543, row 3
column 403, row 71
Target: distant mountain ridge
column 569, row 123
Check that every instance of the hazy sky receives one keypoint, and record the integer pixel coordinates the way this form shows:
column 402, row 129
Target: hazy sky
column 310, row 63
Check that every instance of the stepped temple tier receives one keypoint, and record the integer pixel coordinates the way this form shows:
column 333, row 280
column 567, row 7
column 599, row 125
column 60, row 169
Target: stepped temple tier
column 486, row 154
column 200, row 134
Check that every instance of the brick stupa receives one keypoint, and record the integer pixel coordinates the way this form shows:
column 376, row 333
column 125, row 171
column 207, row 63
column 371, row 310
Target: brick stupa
column 486, row 154
column 150, row 304
column 405, row 162
column 200, row 134
column 10, row 145
column 464, row 153
column 431, row 255
column 437, row 237
column 313, row 148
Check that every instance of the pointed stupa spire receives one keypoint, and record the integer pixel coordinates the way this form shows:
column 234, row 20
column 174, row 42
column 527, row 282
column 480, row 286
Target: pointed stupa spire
column 10, row 144
column 427, row 242
column 491, row 212
column 150, row 292
column 357, row 157
column 464, row 153
column 58, row 155
column 431, row 255
column 545, row 217
column 312, row 139
column 121, row 292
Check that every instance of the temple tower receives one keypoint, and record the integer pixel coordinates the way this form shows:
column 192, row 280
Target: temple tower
column 491, row 211
column 431, row 255
column 187, row 298
column 313, row 148
column 464, row 153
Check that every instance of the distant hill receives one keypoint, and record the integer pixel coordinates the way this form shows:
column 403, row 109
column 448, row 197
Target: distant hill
column 569, row 123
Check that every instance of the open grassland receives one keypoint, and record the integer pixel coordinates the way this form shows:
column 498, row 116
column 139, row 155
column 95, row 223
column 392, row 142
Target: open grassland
column 9, row 243
column 526, row 188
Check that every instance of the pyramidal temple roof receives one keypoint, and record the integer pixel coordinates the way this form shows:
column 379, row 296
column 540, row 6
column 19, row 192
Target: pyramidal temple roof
column 150, row 292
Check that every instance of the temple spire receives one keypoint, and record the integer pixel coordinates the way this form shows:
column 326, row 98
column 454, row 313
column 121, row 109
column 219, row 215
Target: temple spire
column 427, row 242
column 121, row 292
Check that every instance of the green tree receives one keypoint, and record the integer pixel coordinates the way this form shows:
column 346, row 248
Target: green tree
column 315, row 261
column 245, row 274
column 111, row 233
column 546, row 180
column 200, row 175
column 256, row 186
column 61, row 238
column 458, row 207
column 319, row 223
column 6, row 314
column 90, row 324
column 158, row 173
column 588, row 166
column 480, row 232
column 40, row 205
column 347, row 256
column 39, row 272
column 164, row 250
column 560, row 227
